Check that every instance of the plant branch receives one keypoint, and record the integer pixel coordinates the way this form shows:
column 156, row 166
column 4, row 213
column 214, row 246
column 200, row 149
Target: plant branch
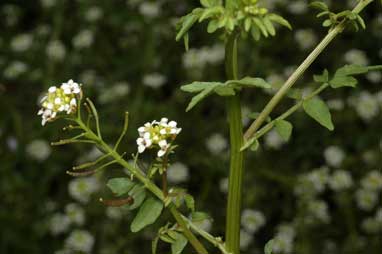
column 299, row 72
column 136, row 172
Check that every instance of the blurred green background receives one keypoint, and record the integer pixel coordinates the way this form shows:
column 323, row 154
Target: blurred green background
column 318, row 193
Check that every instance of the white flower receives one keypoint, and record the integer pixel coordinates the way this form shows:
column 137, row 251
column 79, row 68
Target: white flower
column 15, row 69
column 366, row 106
column 336, row 104
column 372, row 181
column 312, row 183
column 305, row 38
column 366, row 199
column 149, row 9
column 273, row 140
column 75, row 213
column 12, row 143
column 157, row 134
column 38, row 149
column 56, row 50
column 284, row 239
column 252, row 220
column 318, row 210
column 21, row 42
column 115, row 213
column 80, row 240
column 374, row 76
column 117, row 91
column 177, row 173
column 356, row 56
column 81, row 189
column 340, row 180
column 245, row 239
column 297, row 7
column 371, row 226
column 84, row 39
column 57, row 100
column 334, row 156
column 48, row 3
column 216, row 143
column 93, row 14
column 378, row 215
column 154, row 80
column 223, row 185
column 59, row 223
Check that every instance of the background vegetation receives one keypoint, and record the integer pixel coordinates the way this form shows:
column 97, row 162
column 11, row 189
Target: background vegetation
column 318, row 193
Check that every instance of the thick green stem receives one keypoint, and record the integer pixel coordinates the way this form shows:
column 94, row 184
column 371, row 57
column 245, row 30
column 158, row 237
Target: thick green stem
column 148, row 184
column 299, row 71
column 236, row 157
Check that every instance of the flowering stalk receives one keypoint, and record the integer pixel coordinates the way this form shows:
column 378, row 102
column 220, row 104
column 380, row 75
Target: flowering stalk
column 299, row 72
column 148, row 184
column 236, row 155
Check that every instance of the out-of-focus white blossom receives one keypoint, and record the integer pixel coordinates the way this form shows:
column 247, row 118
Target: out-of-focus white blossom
column 283, row 242
column 318, row 211
column 15, row 69
column 93, row 14
column 273, row 140
column 60, row 99
column 366, row 199
column 312, row 183
column 371, row 225
column 59, row 223
column 81, row 189
column 372, row 181
column 80, row 240
column 216, row 143
column 223, row 185
column 305, row 38
column 356, row 56
column 83, row 39
column 75, row 213
column 334, row 156
column 199, row 58
column 177, row 173
column 48, row 3
column 297, row 7
column 114, row 213
column 157, row 134
column 56, row 50
column 38, row 149
column 252, row 220
column 117, row 91
column 21, row 42
column 340, row 180
column 366, row 105
column 245, row 239
column 374, row 76
column 336, row 104
column 12, row 143
column 149, row 9
column 154, row 80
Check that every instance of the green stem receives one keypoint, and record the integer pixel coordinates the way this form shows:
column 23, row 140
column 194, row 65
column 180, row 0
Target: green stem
column 236, row 156
column 136, row 172
column 299, row 71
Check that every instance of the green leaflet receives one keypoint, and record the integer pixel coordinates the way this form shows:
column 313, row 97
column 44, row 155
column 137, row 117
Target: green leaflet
column 228, row 88
column 120, row 186
column 147, row 214
column 187, row 22
column 284, row 129
column 268, row 249
column 319, row 111
column 138, row 193
column 179, row 244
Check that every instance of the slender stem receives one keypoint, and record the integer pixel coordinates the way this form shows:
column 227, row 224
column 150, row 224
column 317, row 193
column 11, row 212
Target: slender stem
column 148, row 184
column 186, row 231
column 236, row 157
column 299, row 71
column 164, row 176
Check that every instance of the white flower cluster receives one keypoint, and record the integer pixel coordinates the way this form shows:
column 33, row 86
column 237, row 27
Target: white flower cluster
column 312, row 183
column 367, row 195
column 318, row 211
column 157, row 134
column 284, row 239
column 82, row 188
column 340, row 180
column 252, row 220
column 80, row 240
column 60, row 99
